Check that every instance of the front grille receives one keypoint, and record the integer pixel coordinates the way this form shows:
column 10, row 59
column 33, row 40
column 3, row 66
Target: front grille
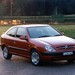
column 66, row 47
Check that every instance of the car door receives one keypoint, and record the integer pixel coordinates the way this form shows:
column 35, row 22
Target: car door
column 21, row 46
column 10, row 38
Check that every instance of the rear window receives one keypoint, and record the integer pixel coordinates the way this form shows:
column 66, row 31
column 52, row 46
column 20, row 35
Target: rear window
column 12, row 32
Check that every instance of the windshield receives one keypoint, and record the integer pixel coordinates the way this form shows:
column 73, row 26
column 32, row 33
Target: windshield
column 43, row 31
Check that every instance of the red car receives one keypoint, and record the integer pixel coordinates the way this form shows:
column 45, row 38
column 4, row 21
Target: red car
column 38, row 42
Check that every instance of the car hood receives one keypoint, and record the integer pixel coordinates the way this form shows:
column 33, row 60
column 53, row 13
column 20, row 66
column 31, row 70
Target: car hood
column 57, row 40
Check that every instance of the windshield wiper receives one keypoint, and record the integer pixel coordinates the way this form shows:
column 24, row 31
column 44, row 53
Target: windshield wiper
column 57, row 35
column 44, row 36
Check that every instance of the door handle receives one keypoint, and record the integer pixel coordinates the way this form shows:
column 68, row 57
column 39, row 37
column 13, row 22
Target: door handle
column 14, row 42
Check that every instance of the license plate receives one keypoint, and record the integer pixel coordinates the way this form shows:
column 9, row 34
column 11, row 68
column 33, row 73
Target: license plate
column 67, row 53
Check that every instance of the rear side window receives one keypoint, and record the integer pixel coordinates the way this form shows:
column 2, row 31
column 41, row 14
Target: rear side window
column 12, row 32
column 21, row 31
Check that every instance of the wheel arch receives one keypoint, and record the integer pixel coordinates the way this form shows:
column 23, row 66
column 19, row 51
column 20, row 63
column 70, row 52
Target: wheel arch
column 2, row 46
column 33, row 49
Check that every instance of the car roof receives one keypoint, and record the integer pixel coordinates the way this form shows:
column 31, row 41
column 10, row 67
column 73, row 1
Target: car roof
column 28, row 25
column 32, row 25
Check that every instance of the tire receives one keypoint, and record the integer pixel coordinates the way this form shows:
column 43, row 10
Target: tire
column 6, row 54
column 35, row 58
column 71, row 61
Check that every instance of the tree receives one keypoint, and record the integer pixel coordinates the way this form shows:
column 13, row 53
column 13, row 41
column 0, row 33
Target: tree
column 37, row 7
column 2, row 8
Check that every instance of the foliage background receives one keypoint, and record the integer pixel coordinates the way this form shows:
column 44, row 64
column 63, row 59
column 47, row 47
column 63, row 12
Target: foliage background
column 36, row 7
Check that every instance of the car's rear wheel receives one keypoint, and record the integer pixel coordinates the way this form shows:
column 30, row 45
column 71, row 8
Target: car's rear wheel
column 6, row 54
column 35, row 58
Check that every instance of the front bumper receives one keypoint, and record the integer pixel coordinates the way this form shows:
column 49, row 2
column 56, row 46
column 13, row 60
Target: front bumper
column 58, row 55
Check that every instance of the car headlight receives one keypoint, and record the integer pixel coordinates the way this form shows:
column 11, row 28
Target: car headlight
column 49, row 48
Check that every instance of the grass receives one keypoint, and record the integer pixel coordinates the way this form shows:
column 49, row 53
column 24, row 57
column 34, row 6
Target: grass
column 69, row 30
column 3, row 29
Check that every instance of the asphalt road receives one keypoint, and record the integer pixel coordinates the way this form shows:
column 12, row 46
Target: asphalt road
column 21, row 66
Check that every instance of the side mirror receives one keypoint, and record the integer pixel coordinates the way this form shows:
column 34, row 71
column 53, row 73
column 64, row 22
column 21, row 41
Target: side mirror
column 62, row 33
column 23, row 37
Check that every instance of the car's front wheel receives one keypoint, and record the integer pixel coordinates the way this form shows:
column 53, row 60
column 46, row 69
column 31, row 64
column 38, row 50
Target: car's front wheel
column 6, row 54
column 35, row 58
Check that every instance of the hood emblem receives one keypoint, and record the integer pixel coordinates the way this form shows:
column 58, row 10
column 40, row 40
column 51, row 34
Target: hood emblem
column 66, row 47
